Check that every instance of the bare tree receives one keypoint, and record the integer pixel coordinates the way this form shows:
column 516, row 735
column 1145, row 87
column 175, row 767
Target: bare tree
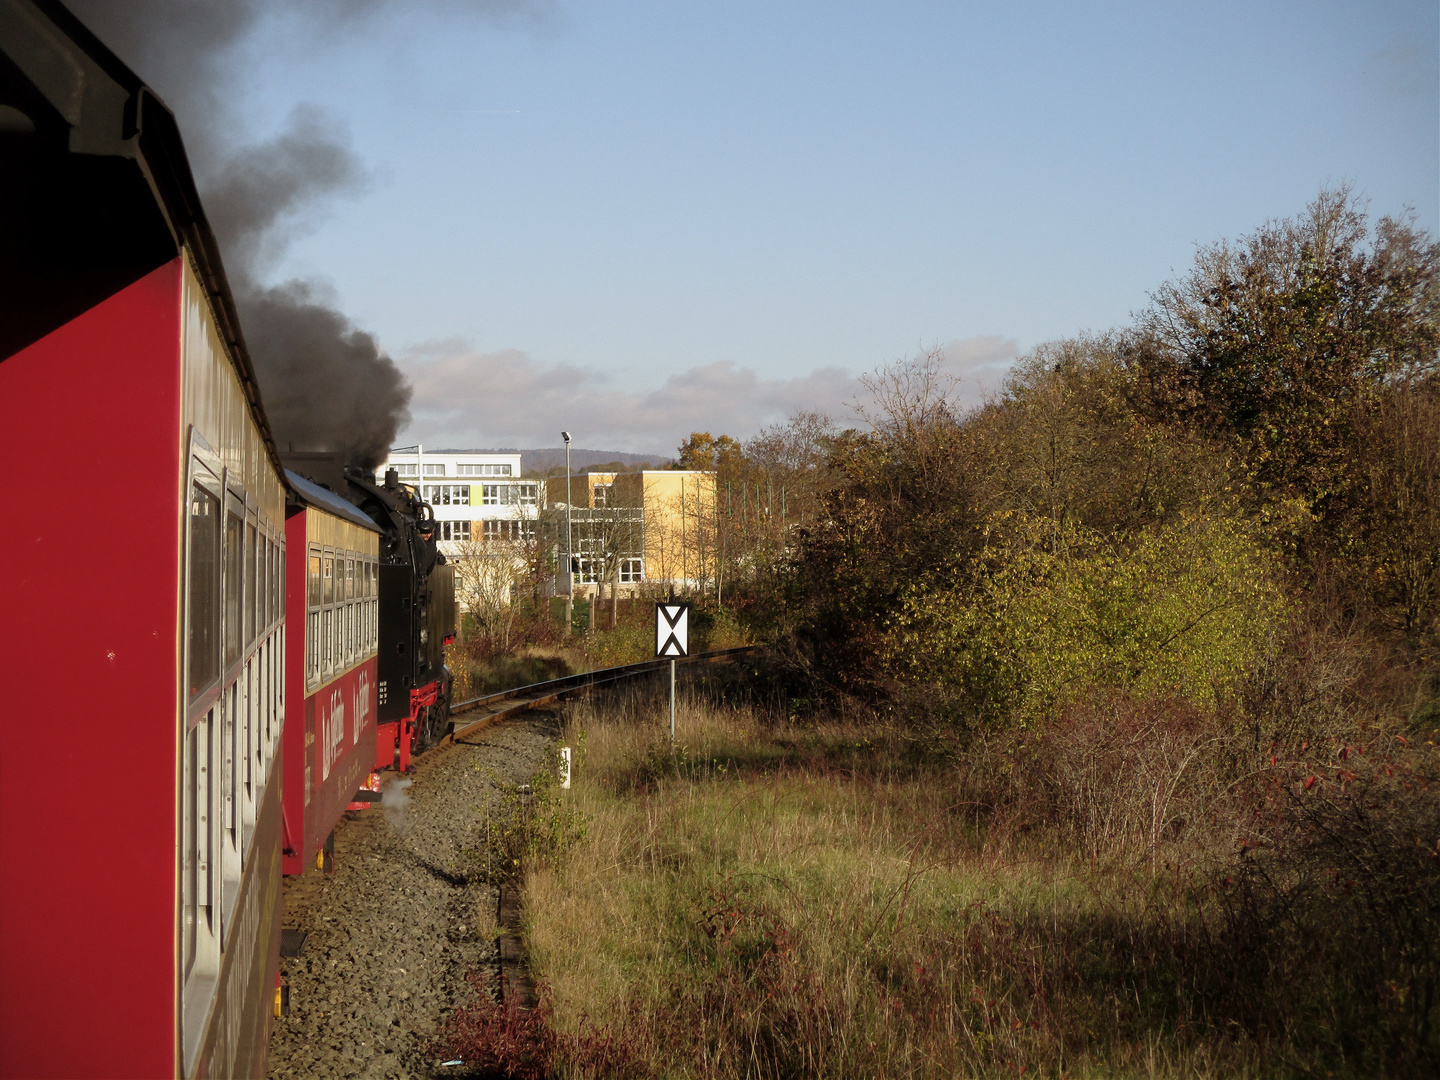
column 493, row 572
column 761, row 496
column 606, row 539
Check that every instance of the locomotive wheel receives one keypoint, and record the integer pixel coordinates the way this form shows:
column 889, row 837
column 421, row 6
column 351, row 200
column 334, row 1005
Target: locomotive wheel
column 434, row 725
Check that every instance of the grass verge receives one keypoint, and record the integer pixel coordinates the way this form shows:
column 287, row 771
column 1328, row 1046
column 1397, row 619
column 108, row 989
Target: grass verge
column 778, row 901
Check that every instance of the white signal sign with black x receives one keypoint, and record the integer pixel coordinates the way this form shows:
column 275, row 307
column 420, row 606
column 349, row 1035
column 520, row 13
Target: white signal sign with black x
column 672, row 629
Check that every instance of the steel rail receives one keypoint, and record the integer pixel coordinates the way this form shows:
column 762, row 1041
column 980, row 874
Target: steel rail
column 537, row 694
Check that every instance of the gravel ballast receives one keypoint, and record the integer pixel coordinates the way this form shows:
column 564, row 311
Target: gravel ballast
column 394, row 930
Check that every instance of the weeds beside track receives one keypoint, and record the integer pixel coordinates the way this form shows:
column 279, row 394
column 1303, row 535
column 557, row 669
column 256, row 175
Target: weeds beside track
column 771, row 900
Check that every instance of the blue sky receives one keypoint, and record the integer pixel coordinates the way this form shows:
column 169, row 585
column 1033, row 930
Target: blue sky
column 633, row 219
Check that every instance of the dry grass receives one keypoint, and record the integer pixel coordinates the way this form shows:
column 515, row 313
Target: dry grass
column 1118, row 898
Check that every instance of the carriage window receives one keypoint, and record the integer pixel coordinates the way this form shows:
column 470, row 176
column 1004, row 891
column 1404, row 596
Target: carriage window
column 234, row 580
column 312, row 647
column 262, row 583
column 252, row 585
column 204, row 590
column 328, row 580
column 349, row 579
column 312, row 588
column 271, row 581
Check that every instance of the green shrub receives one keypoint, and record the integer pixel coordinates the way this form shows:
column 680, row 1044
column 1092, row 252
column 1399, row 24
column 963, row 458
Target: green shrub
column 526, row 825
column 623, row 645
column 1051, row 611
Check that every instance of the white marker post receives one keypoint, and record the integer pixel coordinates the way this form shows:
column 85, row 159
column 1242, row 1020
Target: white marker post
column 672, row 639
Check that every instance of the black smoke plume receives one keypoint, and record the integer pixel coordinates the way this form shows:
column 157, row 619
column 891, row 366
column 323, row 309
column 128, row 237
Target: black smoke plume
column 326, row 384
column 326, row 379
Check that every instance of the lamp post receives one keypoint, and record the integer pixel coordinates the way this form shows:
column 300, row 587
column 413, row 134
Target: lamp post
column 569, row 554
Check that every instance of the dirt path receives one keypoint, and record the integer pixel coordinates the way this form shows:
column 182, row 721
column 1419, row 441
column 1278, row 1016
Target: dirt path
column 392, row 933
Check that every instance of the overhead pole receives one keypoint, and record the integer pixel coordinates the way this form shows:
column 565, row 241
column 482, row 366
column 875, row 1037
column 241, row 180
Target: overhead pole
column 569, row 550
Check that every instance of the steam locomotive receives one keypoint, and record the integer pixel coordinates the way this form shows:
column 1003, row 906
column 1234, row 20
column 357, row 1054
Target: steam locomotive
column 215, row 652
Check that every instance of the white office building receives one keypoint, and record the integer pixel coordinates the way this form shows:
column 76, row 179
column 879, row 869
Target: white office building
column 475, row 495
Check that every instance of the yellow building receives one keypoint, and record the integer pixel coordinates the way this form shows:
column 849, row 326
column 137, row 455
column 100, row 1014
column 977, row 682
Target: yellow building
column 677, row 523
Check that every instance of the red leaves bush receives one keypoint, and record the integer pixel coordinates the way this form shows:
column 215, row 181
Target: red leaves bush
column 503, row 1039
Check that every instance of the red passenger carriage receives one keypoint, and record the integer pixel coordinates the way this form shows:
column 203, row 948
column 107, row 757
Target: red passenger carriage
column 142, row 847
column 142, row 655
column 334, row 553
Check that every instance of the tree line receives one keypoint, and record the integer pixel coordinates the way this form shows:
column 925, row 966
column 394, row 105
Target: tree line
column 1153, row 508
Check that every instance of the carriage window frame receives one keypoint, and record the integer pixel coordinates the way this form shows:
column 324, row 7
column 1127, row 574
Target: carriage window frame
column 250, row 615
column 313, row 589
column 199, row 855
column 233, row 588
column 205, row 474
column 314, row 605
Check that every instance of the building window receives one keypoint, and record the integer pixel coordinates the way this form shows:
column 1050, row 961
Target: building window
column 447, row 494
column 510, row 494
column 454, row 530
column 435, row 470
column 483, row 470
column 630, row 571
column 601, row 495
column 511, row 532
column 401, row 469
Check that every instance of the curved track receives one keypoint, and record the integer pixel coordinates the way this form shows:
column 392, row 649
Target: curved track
column 493, row 708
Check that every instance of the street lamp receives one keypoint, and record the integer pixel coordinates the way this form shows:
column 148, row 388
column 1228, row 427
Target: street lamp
column 569, row 552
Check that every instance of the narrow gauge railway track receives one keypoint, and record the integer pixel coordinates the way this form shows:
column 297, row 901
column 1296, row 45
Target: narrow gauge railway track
column 496, row 707
column 389, row 937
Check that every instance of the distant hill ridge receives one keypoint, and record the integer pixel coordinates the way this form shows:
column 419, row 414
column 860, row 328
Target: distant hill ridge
column 546, row 459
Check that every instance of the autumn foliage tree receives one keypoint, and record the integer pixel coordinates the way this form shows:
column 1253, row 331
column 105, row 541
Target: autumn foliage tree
column 1290, row 343
column 1280, row 400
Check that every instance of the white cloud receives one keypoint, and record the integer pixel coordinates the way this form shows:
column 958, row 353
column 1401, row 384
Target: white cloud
column 467, row 398
column 981, row 362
